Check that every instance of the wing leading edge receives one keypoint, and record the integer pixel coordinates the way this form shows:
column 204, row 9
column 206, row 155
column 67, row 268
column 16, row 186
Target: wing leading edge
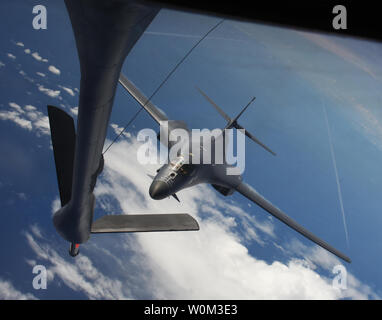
column 257, row 198
column 166, row 125
column 151, row 109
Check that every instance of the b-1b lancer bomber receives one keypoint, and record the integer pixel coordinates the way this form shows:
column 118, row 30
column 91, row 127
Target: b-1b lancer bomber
column 179, row 174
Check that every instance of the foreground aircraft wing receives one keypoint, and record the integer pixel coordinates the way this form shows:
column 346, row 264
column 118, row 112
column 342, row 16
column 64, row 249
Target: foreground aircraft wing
column 257, row 198
column 104, row 33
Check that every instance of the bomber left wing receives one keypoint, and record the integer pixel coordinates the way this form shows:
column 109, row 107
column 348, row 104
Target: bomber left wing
column 153, row 111
column 257, row 198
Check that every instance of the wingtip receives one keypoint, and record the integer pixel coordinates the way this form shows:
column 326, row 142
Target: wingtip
column 273, row 153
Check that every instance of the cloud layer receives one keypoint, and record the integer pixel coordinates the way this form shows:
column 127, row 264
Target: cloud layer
column 27, row 118
column 213, row 263
column 217, row 262
column 8, row 292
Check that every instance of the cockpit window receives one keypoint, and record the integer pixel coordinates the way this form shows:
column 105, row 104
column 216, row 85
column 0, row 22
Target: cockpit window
column 177, row 163
column 180, row 167
column 186, row 169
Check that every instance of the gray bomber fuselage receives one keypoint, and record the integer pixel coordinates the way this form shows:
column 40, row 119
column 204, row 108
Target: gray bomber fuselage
column 178, row 175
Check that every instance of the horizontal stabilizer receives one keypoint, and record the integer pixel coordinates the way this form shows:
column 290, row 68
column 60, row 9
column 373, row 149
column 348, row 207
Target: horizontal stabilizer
column 221, row 112
column 242, row 111
column 253, row 138
column 63, row 137
column 145, row 223
column 232, row 123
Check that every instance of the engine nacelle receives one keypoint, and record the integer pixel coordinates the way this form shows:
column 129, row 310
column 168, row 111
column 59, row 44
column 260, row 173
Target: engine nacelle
column 223, row 190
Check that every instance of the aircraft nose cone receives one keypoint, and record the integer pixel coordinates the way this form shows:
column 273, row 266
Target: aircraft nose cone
column 159, row 190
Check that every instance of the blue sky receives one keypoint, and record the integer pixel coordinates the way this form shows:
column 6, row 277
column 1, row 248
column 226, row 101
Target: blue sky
column 240, row 252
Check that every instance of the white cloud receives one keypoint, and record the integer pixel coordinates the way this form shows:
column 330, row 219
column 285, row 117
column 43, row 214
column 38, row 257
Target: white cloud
column 2, row 64
column 15, row 117
column 31, row 262
column 22, row 196
column 117, row 129
column 79, row 274
column 317, row 257
column 49, row 92
column 42, row 124
column 56, row 205
column 36, row 231
column 20, row 44
column 28, row 118
column 54, row 70
column 8, row 292
column 74, row 111
column 68, row 90
column 29, row 107
column 11, row 56
column 41, row 74
column 212, row 263
column 36, row 56
column 27, row 51
column 25, row 76
column 16, row 107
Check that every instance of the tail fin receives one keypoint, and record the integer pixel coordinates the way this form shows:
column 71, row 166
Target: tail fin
column 232, row 123
column 63, row 137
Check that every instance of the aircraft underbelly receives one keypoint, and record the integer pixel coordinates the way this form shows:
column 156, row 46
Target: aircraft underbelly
column 105, row 32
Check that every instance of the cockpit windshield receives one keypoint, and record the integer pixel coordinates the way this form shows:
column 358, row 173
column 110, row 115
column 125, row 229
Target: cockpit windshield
column 177, row 163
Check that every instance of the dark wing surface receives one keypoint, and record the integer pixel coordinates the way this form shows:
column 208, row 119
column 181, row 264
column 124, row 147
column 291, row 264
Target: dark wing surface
column 257, row 198
column 153, row 111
